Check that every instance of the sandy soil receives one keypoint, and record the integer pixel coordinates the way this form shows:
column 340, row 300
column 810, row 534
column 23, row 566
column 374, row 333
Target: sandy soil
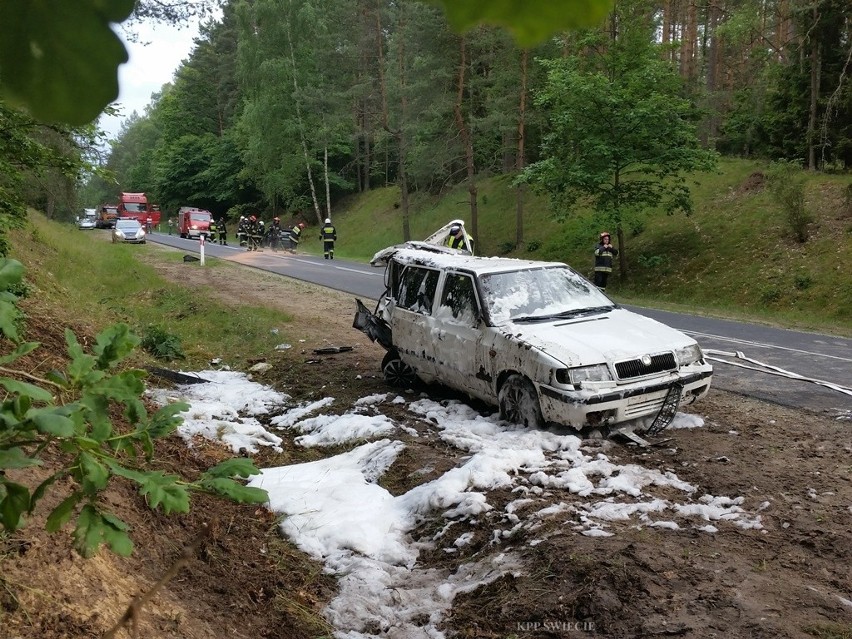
column 793, row 578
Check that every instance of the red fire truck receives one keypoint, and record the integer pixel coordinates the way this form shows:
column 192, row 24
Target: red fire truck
column 193, row 222
column 135, row 206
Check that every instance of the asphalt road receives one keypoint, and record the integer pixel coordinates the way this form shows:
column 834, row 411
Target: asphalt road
column 745, row 356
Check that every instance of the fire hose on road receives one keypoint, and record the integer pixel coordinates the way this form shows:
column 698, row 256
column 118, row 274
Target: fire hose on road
column 756, row 365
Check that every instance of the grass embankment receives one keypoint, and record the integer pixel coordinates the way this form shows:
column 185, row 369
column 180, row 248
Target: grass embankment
column 735, row 256
column 96, row 283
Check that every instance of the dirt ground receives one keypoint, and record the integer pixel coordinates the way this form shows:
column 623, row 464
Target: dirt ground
column 793, row 578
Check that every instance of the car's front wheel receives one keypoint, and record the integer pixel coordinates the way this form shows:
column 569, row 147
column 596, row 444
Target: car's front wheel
column 519, row 404
column 397, row 373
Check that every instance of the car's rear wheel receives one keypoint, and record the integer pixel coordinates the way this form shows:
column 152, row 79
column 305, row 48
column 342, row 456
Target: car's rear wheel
column 519, row 403
column 397, row 373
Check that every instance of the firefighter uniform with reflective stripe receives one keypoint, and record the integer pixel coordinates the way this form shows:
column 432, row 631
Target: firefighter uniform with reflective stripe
column 604, row 252
column 328, row 235
column 295, row 233
column 456, row 242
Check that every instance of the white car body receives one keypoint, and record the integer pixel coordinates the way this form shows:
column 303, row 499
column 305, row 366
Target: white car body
column 473, row 323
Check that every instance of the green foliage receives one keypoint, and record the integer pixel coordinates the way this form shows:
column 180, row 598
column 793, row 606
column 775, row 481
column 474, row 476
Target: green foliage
column 70, row 411
column 161, row 344
column 621, row 138
column 504, row 248
column 787, row 185
column 803, row 281
column 652, row 261
column 60, row 59
column 530, row 21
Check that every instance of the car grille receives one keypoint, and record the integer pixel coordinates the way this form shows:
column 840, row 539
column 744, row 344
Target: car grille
column 635, row 368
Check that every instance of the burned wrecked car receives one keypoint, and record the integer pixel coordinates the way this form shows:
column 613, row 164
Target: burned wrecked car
column 534, row 338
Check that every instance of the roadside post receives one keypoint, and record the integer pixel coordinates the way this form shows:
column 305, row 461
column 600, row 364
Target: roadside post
column 201, row 247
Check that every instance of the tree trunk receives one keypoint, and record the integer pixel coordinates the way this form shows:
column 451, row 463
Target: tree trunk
column 467, row 141
column 690, row 34
column 302, row 125
column 402, row 178
column 521, row 159
column 816, row 68
column 327, row 186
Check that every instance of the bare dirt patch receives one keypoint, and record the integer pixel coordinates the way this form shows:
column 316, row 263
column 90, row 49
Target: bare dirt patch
column 789, row 579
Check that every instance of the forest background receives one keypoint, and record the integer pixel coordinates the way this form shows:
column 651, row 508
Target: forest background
column 379, row 115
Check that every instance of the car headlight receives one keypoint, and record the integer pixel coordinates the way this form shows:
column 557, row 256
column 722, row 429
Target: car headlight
column 194, row 227
column 141, row 233
column 119, row 234
column 576, row 376
column 689, row 354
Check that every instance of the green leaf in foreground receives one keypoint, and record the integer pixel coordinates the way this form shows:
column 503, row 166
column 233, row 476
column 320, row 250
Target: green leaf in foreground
column 95, row 528
column 11, row 271
column 14, row 502
column 17, row 458
column 239, row 466
column 60, row 59
column 235, row 490
column 23, row 388
column 62, row 513
column 164, row 489
column 529, row 21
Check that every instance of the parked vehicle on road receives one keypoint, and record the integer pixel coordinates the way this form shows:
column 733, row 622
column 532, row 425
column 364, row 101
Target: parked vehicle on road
column 128, row 231
column 536, row 339
column 88, row 220
column 107, row 215
column 136, row 206
column 193, row 222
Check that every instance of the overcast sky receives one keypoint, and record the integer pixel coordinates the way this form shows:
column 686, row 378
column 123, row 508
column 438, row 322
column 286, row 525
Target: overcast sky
column 151, row 65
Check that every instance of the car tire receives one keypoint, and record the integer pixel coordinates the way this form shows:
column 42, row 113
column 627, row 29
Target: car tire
column 519, row 403
column 397, row 373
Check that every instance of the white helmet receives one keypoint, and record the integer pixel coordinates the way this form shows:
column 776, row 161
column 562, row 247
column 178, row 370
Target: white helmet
column 328, row 220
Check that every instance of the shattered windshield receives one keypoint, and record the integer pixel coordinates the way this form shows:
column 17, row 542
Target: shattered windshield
column 538, row 294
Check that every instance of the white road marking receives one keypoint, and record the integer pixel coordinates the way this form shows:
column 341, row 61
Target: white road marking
column 736, row 340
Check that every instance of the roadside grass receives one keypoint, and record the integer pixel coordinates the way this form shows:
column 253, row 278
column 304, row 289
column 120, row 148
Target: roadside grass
column 734, row 256
column 97, row 283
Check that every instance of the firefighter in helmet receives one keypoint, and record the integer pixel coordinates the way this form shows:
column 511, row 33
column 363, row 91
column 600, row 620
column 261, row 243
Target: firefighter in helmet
column 328, row 235
column 604, row 252
column 456, row 237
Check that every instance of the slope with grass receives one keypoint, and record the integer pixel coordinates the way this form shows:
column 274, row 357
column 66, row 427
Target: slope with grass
column 734, row 256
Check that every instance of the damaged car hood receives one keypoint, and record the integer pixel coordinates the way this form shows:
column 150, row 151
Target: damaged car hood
column 614, row 336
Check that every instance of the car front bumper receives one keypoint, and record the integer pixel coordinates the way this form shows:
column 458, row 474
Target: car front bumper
column 614, row 406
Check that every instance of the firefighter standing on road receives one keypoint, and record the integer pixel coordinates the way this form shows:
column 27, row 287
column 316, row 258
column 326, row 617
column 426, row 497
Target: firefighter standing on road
column 212, row 231
column 242, row 231
column 253, row 232
column 275, row 233
column 223, row 232
column 295, row 234
column 328, row 235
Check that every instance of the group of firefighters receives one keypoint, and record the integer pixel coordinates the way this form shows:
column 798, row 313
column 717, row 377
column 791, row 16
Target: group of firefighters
column 254, row 234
